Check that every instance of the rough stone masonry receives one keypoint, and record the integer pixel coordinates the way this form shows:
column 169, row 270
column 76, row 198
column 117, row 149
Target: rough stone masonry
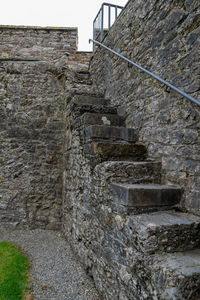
column 111, row 159
column 32, row 120
column 162, row 36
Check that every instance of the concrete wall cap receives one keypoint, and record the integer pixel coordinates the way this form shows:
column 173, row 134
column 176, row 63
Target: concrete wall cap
column 21, row 27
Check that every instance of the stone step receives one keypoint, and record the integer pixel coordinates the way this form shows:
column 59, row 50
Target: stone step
column 172, row 275
column 166, row 231
column 111, row 133
column 146, row 195
column 129, row 172
column 90, row 100
column 94, row 104
column 115, row 151
column 101, row 119
column 83, row 76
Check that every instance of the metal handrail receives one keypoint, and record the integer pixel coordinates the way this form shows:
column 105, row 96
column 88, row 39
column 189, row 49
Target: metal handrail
column 148, row 72
column 100, row 14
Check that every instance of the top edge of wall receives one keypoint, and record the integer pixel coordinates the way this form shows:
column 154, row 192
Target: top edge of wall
column 21, row 27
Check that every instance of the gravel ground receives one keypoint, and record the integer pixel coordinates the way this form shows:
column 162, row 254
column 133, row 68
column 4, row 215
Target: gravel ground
column 55, row 273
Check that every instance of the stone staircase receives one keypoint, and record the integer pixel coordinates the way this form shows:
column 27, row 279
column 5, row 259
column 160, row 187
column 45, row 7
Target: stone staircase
column 147, row 212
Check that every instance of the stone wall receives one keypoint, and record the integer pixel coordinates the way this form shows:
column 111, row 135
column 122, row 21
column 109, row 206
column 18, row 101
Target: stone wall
column 131, row 252
column 31, row 141
column 37, row 68
column 162, row 36
column 43, row 43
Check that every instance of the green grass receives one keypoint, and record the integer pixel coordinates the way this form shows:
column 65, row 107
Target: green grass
column 14, row 267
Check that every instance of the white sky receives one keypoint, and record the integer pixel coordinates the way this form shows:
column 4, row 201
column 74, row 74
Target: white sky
column 64, row 13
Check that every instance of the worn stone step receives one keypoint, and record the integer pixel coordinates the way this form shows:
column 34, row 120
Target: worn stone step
column 146, row 195
column 129, row 172
column 172, row 275
column 111, row 133
column 90, row 100
column 101, row 119
column 83, row 76
column 86, row 103
column 167, row 231
column 116, row 150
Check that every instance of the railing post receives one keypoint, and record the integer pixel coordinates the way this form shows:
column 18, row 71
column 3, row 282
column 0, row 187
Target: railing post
column 109, row 8
column 94, row 37
column 102, row 20
column 115, row 12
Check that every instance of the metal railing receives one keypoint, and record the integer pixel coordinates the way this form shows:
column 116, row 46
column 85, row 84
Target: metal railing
column 148, row 72
column 106, row 16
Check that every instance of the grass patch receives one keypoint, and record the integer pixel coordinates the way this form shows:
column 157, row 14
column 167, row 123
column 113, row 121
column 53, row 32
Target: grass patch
column 14, row 267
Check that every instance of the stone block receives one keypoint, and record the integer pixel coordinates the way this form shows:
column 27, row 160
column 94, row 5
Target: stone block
column 101, row 119
column 80, row 107
column 117, row 150
column 167, row 231
column 129, row 171
column 173, row 275
column 90, row 100
column 146, row 195
column 112, row 133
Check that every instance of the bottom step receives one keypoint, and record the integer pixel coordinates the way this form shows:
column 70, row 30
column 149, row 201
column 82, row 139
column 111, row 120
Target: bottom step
column 174, row 276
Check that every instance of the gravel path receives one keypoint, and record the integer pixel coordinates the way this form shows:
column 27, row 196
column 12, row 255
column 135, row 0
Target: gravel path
column 55, row 273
